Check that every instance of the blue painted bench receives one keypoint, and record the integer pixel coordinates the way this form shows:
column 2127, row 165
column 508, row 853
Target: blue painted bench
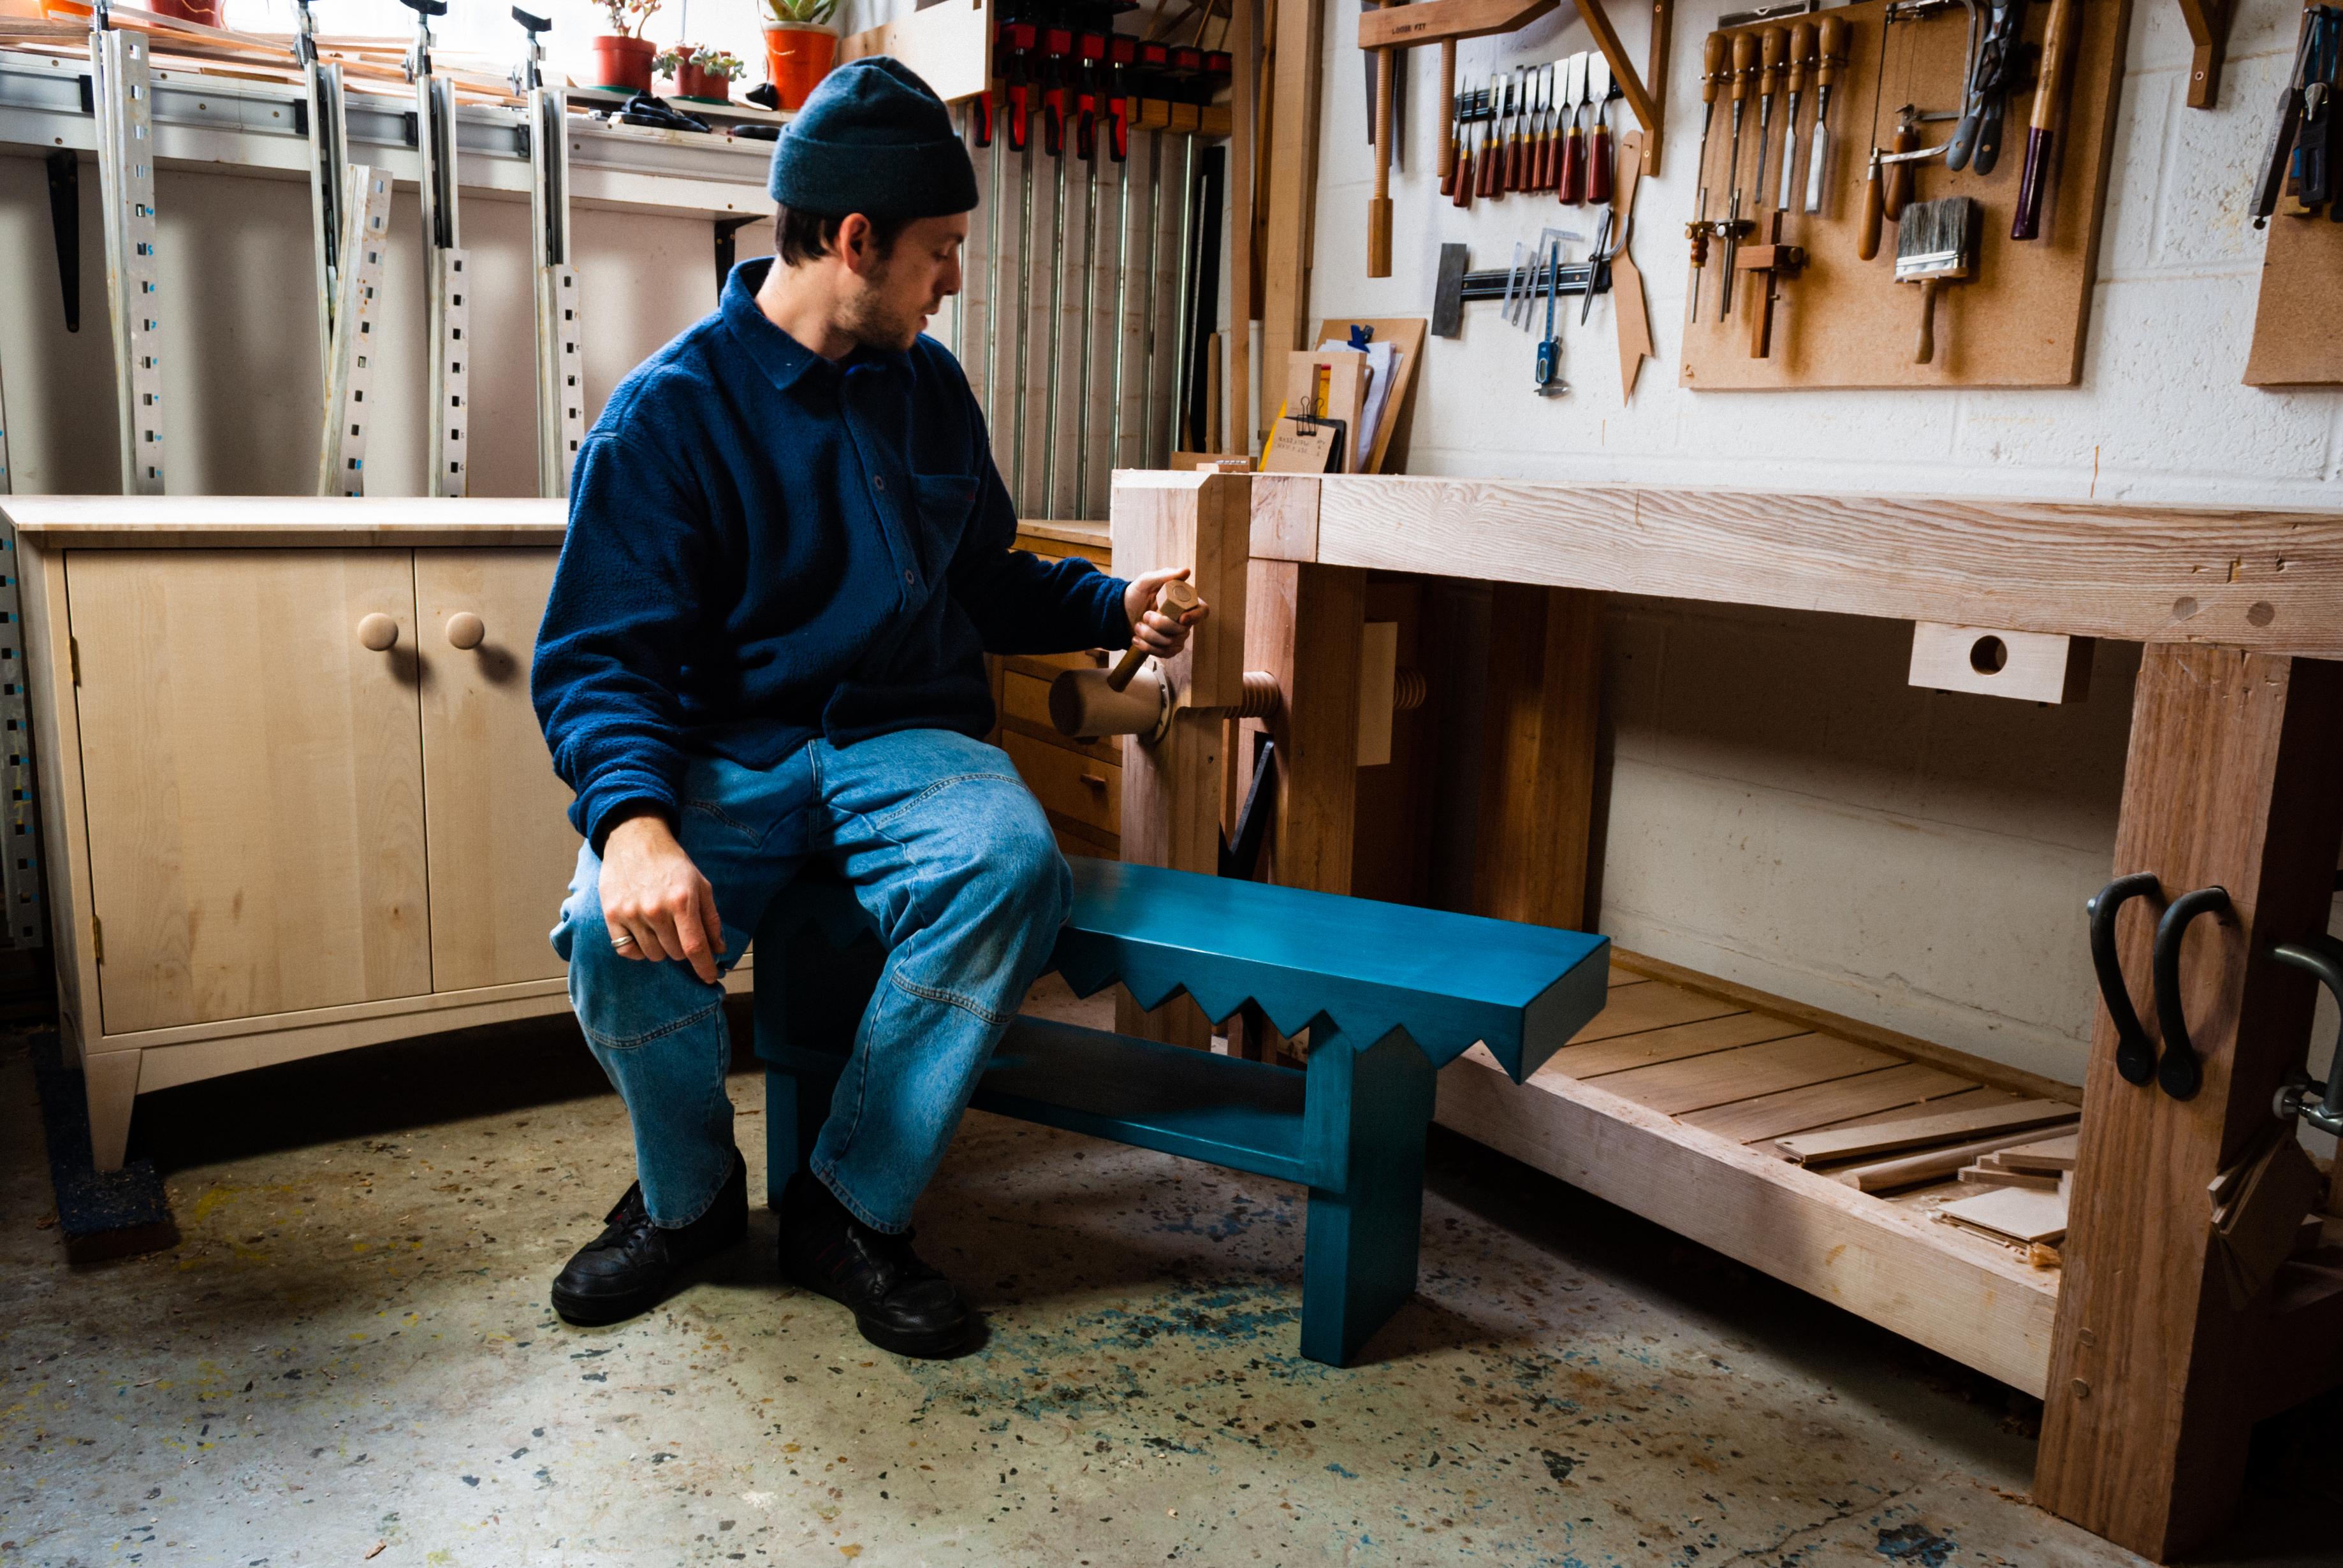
column 1388, row 993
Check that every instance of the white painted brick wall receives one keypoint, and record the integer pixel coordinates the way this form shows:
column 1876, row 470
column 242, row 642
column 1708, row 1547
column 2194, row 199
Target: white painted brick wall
column 1785, row 810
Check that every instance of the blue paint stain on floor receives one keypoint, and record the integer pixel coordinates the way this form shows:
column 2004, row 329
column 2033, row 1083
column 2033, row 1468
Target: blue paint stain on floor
column 1915, row 1545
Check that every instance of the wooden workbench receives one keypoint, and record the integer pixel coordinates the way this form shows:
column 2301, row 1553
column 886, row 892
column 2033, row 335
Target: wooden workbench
column 2234, row 778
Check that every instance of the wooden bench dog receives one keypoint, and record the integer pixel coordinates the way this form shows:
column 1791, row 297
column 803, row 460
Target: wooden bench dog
column 1388, row 993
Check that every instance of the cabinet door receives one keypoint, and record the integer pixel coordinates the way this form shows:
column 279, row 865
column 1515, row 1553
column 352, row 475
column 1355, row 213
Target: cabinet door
column 501, row 845
column 253, row 777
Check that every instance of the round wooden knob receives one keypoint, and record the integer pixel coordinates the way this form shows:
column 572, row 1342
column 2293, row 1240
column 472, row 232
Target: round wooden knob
column 378, row 632
column 466, row 629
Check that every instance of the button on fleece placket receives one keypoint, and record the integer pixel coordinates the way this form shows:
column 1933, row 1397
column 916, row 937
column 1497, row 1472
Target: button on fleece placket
column 888, row 483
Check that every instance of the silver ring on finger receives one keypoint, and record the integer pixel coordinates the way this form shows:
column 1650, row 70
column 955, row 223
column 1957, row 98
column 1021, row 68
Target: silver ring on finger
column 623, row 940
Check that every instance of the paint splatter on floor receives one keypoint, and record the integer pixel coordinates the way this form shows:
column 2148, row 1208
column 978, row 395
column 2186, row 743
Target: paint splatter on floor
column 351, row 1346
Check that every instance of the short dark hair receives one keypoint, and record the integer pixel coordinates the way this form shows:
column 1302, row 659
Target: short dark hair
column 801, row 237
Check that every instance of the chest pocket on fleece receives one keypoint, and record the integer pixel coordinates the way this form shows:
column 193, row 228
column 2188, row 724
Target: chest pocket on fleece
column 945, row 501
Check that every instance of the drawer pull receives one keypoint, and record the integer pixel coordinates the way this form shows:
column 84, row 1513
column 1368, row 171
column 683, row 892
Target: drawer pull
column 466, row 629
column 1095, row 780
column 377, row 633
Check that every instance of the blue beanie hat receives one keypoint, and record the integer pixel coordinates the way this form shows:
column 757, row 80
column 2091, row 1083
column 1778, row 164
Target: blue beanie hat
column 875, row 139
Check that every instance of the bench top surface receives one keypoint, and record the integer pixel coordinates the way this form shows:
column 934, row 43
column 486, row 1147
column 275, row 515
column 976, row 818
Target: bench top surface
column 1363, row 966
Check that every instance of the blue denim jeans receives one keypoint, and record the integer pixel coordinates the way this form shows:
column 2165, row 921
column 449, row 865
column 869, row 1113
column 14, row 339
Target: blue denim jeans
column 949, row 852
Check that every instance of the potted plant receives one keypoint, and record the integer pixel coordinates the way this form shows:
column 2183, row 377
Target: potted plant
column 702, row 75
column 801, row 46
column 622, row 56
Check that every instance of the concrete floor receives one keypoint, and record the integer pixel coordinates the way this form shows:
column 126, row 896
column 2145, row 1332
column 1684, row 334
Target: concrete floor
column 350, row 1359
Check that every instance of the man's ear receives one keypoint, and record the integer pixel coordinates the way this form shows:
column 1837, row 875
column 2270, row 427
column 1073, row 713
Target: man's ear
column 854, row 247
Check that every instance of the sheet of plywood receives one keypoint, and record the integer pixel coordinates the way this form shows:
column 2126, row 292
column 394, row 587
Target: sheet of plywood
column 1844, row 322
column 1912, row 1168
column 1923, row 1132
column 2052, row 1155
column 2294, row 341
column 1698, row 1082
column 1651, row 1046
column 1818, row 1105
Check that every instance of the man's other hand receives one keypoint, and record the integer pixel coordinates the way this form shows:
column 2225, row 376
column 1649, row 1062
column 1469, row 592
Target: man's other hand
column 655, row 902
column 1160, row 634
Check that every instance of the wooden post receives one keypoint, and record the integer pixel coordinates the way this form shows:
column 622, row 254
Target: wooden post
column 1537, row 755
column 1243, row 309
column 1292, row 160
column 2234, row 779
column 1171, row 787
column 1303, row 628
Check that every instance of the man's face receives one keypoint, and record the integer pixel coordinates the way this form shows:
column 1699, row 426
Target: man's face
column 900, row 291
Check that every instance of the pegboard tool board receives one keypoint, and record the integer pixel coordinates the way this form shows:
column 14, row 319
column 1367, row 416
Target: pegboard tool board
column 1843, row 322
column 2295, row 340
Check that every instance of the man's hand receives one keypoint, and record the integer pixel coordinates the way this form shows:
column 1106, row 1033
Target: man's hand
column 1151, row 628
column 655, row 902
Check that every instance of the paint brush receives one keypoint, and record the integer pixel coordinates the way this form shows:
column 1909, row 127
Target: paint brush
column 1935, row 243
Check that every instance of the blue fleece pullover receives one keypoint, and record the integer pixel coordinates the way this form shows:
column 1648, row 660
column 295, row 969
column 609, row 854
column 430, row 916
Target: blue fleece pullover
column 765, row 546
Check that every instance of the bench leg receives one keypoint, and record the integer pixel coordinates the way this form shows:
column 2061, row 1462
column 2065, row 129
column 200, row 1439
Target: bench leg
column 795, row 1105
column 1366, row 1115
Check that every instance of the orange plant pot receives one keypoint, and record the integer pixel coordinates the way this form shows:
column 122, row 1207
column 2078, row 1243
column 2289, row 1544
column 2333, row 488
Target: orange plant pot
column 623, row 63
column 700, row 87
column 797, row 56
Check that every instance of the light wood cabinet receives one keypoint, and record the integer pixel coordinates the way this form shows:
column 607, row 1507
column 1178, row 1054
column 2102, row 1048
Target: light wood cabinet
column 495, row 815
column 254, row 776
column 295, row 795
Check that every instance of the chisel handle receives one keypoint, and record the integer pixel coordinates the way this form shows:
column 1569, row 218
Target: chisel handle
column 1867, row 242
column 1598, row 159
column 1571, row 180
column 1831, row 36
column 2042, row 129
column 1379, row 205
column 1897, row 183
column 1448, row 111
column 1713, row 72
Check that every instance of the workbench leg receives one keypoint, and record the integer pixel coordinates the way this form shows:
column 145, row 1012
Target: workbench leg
column 1535, row 831
column 1365, row 1121
column 2234, row 779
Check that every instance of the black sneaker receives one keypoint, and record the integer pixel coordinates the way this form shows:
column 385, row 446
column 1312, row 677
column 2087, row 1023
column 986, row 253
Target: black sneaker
column 899, row 1304
column 633, row 1265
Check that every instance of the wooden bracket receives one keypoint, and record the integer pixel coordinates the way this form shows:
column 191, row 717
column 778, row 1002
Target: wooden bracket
column 2208, row 30
column 1443, row 21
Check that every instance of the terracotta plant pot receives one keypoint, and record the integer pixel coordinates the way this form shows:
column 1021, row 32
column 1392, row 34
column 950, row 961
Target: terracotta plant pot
column 203, row 12
column 699, row 86
column 797, row 56
column 622, row 64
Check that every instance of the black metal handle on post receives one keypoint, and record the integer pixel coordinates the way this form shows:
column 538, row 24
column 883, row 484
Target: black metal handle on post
column 2135, row 1054
column 2322, row 956
column 2179, row 1072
